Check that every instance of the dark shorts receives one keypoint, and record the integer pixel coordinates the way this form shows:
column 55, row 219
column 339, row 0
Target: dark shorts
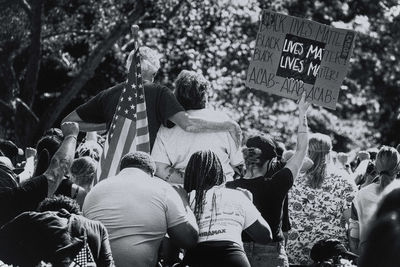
column 270, row 255
column 217, row 253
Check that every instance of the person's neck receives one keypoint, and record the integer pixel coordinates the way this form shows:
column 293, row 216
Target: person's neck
column 254, row 174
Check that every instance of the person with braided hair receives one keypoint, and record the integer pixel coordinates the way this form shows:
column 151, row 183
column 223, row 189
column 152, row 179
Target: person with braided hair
column 387, row 166
column 221, row 213
column 269, row 182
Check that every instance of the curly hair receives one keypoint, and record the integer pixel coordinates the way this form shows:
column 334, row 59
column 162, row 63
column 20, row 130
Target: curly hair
column 57, row 202
column 140, row 160
column 191, row 90
column 83, row 170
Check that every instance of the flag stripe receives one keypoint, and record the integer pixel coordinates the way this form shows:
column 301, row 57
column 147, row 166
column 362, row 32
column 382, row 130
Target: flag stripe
column 116, row 157
column 129, row 129
column 141, row 139
column 143, row 147
column 129, row 140
column 141, row 115
column 141, row 123
column 142, row 131
column 106, row 164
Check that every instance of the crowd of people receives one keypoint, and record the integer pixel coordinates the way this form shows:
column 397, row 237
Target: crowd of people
column 201, row 198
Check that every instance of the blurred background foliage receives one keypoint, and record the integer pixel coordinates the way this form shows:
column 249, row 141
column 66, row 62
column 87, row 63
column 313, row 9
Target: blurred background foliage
column 56, row 54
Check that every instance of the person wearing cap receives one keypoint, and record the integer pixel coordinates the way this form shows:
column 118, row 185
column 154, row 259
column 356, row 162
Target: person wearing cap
column 330, row 251
column 161, row 105
column 269, row 193
column 318, row 200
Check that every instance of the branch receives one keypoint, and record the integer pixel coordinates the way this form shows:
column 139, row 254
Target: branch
column 80, row 32
column 54, row 111
column 25, row 5
column 33, row 66
column 175, row 9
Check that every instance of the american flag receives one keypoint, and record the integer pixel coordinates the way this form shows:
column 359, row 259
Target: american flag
column 129, row 129
column 84, row 258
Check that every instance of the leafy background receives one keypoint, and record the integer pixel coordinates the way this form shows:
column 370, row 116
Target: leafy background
column 54, row 55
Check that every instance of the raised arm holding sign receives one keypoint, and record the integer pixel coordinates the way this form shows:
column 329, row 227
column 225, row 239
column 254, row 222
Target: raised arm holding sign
column 293, row 55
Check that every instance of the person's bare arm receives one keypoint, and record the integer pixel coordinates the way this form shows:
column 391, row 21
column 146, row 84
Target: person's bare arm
column 29, row 169
column 169, row 174
column 259, row 231
column 62, row 159
column 294, row 163
column 185, row 235
column 197, row 125
column 84, row 126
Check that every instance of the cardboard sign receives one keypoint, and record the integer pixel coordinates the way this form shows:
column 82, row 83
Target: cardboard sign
column 294, row 54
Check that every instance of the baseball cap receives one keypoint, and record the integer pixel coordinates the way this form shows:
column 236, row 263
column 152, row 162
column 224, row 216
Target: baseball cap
column 329, row 248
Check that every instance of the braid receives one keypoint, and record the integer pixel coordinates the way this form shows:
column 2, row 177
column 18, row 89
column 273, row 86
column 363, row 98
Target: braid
column 203, row 171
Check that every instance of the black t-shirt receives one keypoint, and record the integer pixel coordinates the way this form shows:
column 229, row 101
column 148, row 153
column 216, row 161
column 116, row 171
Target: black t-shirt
column 161, row 104
column 268, row 196
column 52, row 236
column 14, row 201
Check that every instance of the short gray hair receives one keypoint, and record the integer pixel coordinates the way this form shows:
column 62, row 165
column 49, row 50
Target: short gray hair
column 150, row 59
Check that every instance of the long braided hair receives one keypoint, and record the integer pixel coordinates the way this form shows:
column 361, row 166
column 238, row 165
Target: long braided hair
column 203, row 171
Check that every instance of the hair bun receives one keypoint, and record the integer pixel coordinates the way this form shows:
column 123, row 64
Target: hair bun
column 251, row 155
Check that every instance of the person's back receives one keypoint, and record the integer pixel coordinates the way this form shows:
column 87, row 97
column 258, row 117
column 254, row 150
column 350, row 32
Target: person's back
column 317, row 202
column 137, row 211
column 227, row 212
column 175, row 146
column 221, row 213
column 316, row 214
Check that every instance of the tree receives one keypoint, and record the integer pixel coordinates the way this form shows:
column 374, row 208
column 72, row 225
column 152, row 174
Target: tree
column 81, row 52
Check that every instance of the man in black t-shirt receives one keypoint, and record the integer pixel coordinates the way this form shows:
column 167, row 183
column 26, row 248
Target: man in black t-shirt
column 161, row 106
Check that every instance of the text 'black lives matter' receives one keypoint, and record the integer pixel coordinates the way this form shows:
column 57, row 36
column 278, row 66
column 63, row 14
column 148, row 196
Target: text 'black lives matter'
column 300, row 59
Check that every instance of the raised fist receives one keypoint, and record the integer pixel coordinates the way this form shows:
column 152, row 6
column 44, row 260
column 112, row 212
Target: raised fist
column 363, row 155
column 70, row 128
column 135, row 30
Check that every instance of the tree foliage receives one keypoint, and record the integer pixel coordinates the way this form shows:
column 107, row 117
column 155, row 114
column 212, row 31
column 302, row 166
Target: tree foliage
column 208, row 36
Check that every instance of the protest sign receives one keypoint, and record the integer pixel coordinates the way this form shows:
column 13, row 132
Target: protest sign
column 293, row 54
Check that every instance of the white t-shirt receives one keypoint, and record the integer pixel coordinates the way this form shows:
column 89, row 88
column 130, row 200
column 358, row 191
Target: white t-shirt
column 175, row 146
column 366, row 202
column 137, row 210
column 227, row 216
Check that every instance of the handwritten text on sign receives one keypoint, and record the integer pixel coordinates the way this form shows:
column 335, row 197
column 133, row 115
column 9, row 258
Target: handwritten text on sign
column 293, row 54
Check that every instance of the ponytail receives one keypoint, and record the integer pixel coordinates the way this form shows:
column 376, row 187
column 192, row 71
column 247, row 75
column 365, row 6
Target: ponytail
column 387, row 165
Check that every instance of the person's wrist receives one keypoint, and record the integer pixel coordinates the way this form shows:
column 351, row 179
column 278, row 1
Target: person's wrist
column 74, row 136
